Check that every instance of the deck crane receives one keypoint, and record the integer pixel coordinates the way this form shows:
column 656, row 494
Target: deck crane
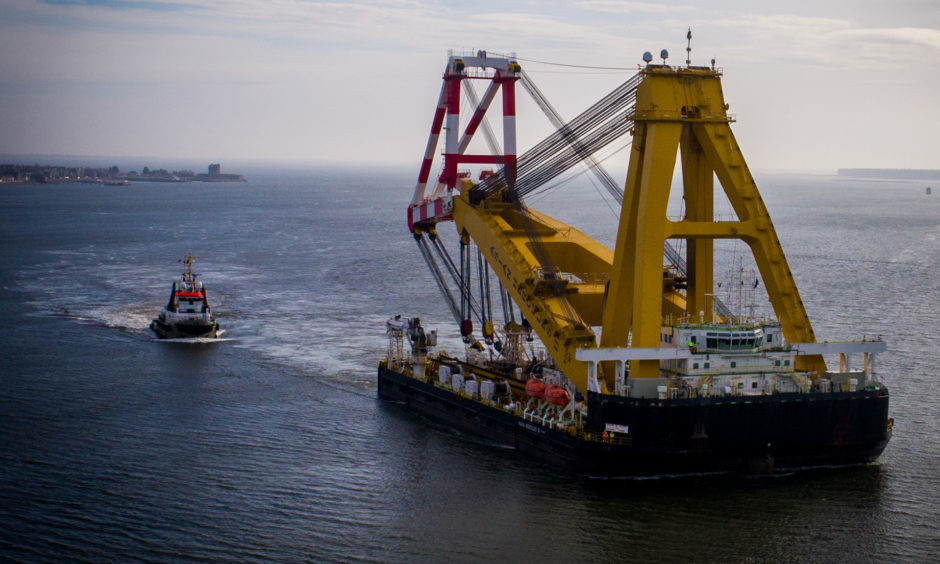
column 563, row 283
column 669, row 385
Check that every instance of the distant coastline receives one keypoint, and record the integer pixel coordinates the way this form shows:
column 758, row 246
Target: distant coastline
column 54, row 174
column 891, row 173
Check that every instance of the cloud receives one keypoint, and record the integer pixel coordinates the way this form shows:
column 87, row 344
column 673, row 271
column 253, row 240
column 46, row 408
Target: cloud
column 524, row 30
column 816, row 41
column 625, row 7
column 914, row 36
column 155, row 5
column 302, row 74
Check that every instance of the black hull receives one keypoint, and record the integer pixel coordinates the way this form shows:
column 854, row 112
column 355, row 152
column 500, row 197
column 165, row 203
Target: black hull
column 748, row 435
column 184, row 330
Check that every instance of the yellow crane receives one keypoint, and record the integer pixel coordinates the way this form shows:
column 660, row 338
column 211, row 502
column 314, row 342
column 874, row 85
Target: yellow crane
column 565, row 283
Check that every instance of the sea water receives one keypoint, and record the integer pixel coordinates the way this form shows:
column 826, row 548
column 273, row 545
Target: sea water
column 270, row 444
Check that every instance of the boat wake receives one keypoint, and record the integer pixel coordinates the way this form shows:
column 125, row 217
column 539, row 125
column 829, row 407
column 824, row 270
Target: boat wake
column 277, row 323
column 130, row 318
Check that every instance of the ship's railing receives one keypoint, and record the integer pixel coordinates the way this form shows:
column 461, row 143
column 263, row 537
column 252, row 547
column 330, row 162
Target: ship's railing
column 571, row 427
column 842, row 347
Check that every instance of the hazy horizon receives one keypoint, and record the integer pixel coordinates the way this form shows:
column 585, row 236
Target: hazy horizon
column 136, row 163
column 834, row 84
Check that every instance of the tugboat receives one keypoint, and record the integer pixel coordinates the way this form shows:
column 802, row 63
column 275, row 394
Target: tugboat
column 187, row 314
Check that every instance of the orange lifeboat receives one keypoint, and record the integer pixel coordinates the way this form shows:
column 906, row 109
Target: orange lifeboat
column 557, row 395
column 535, row 388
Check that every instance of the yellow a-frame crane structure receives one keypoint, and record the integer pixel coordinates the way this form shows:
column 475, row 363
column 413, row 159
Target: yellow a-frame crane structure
column 683, row 109
column 678, row 110
column 668, row 380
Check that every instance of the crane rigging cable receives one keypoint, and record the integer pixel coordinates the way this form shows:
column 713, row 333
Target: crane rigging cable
column 593, row 165
column 567, row 64
column 572, row 134
column 593, row 129
column 570, row 156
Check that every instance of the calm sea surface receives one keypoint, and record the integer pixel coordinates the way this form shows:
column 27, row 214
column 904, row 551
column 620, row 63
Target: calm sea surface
column 271, row 444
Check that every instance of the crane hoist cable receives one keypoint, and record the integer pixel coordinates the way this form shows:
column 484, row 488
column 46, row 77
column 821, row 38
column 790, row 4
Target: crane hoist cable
column 438, row 277
column 471, row 306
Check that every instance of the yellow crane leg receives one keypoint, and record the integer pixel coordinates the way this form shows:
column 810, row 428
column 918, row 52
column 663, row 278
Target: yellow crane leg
column 723, row 153
column 698, row 189
column 635, row 298
column 684, row 110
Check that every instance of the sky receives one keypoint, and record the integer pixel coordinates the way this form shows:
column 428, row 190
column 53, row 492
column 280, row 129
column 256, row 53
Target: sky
column 814, row 86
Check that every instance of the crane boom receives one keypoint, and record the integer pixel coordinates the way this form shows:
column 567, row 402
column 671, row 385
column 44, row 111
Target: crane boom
column 561, row 306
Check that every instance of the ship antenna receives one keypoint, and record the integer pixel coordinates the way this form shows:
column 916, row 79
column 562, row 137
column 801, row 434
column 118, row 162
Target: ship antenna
column 688, row 48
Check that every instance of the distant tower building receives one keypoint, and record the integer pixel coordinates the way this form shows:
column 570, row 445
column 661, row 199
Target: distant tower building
column 215, row 169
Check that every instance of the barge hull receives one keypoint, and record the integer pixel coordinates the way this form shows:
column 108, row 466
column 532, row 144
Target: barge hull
column 747, row 435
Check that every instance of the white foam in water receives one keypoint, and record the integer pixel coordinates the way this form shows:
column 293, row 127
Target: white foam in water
column 286, row 324
column 325, row 317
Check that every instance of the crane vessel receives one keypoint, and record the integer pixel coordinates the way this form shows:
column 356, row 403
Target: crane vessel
column 623, row 361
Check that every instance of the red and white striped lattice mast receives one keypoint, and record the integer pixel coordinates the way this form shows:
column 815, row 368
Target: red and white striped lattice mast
column 428, row 209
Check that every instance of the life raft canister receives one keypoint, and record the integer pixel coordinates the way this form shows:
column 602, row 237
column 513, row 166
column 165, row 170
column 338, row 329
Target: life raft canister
column 557, row 395
column 535, row 388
